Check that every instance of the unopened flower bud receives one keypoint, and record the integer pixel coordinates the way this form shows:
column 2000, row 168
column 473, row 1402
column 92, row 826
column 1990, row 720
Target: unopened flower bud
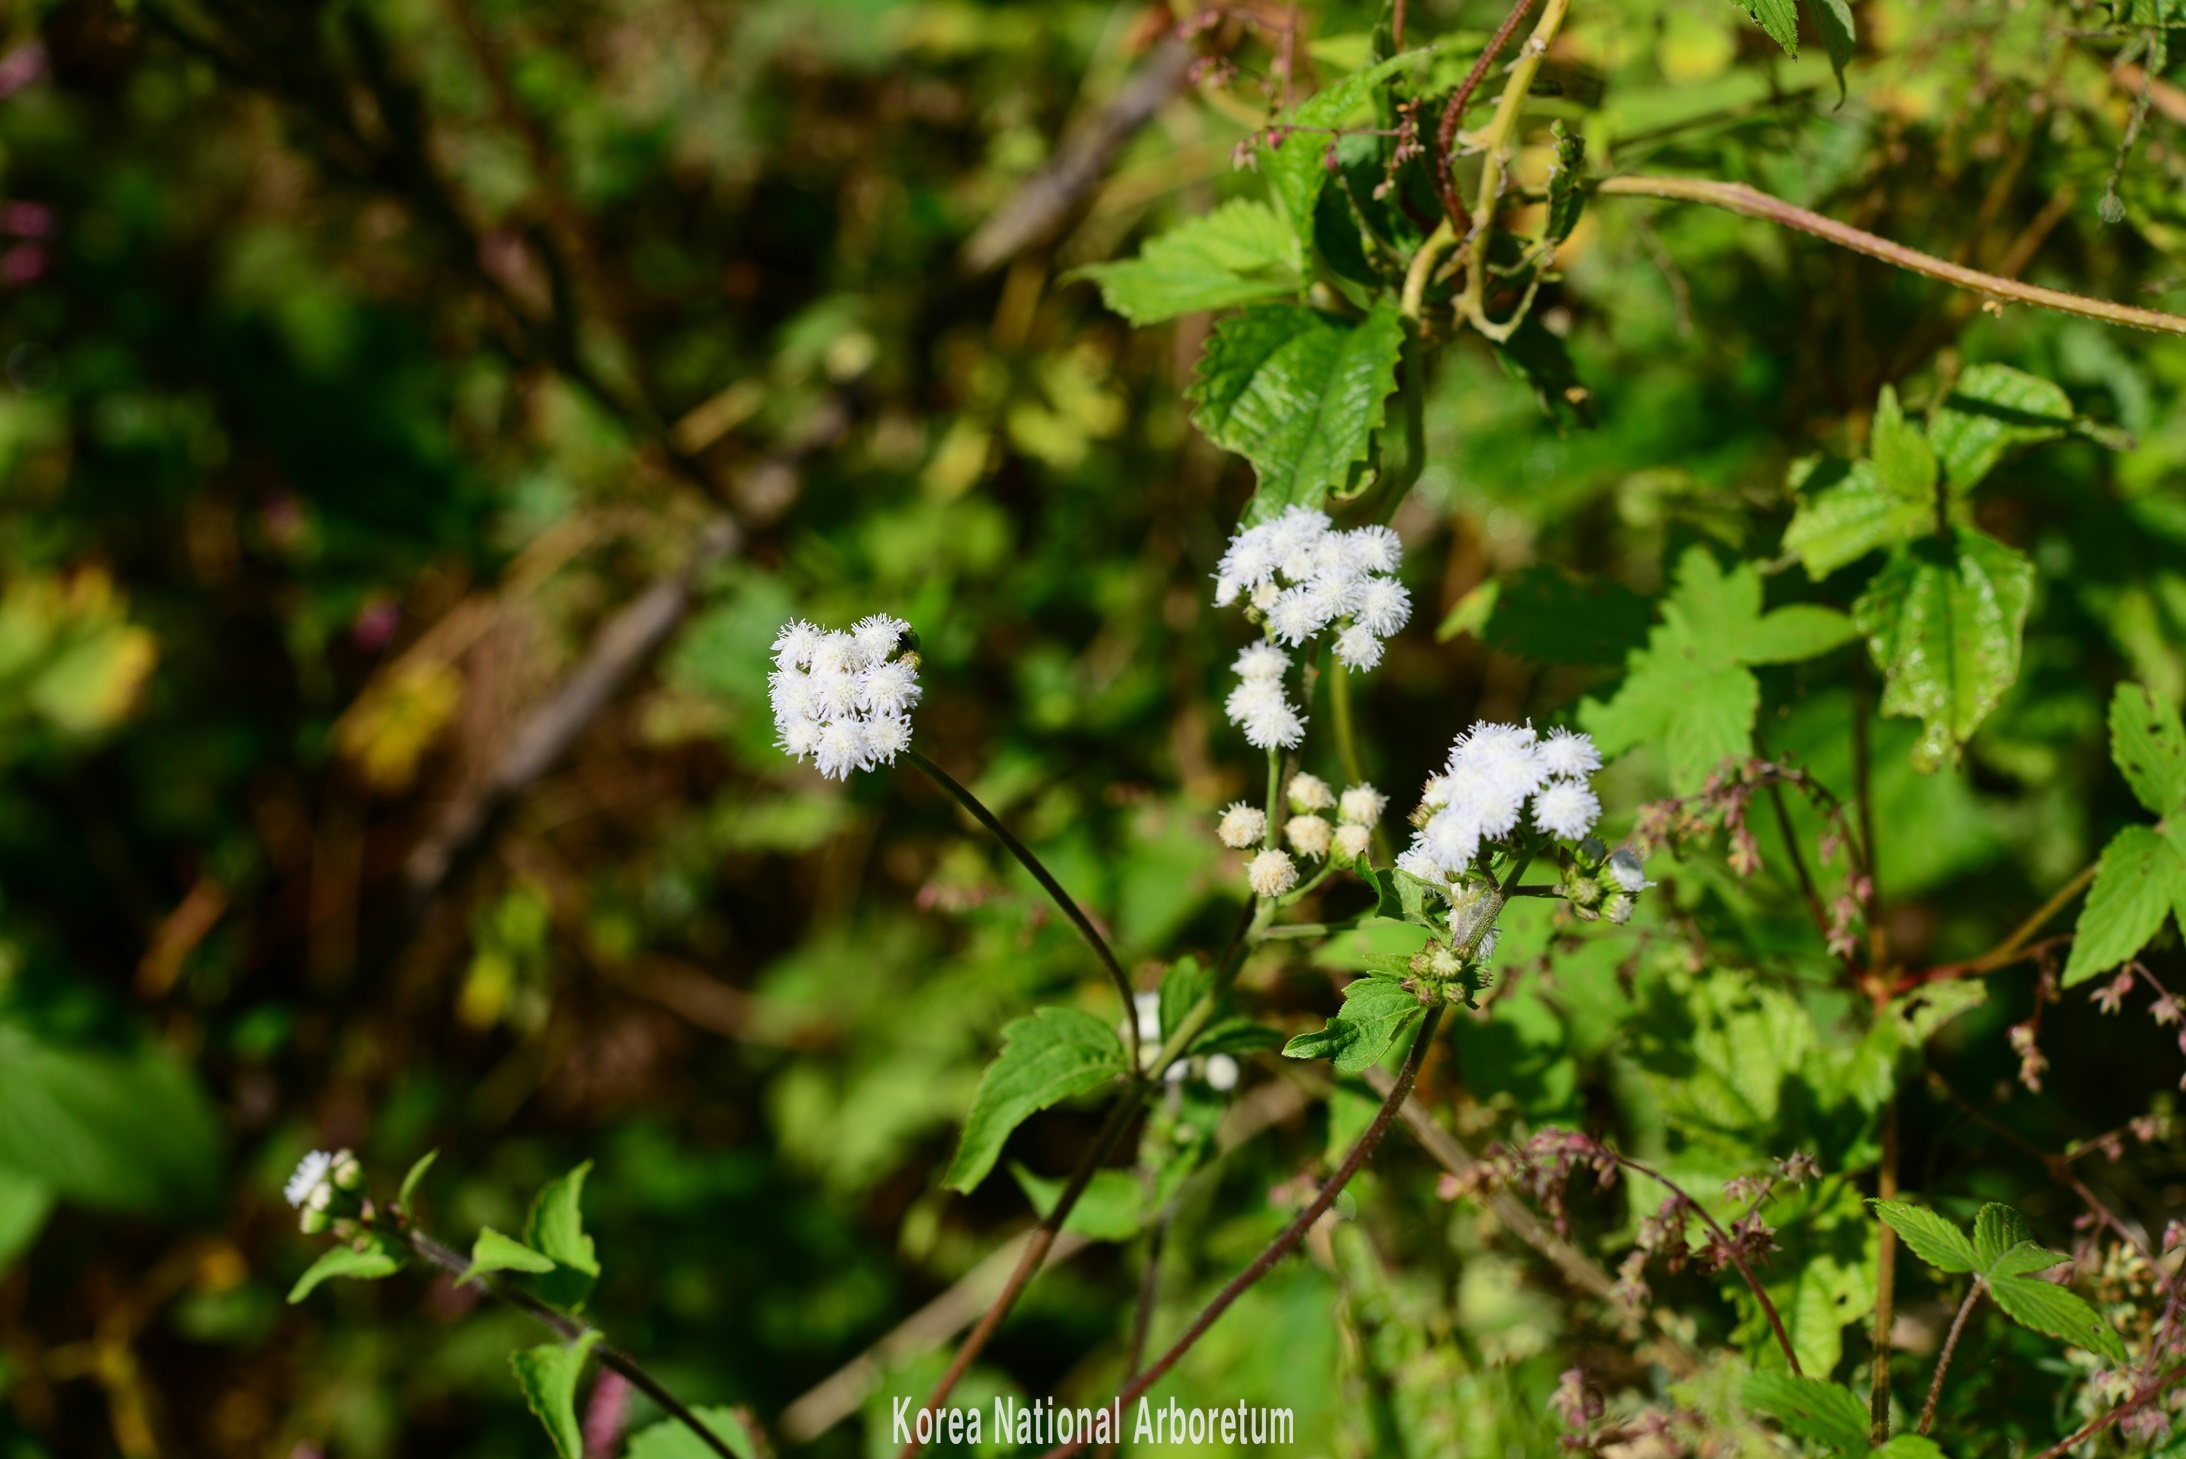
column 1618, row 908
column 1361, row 805
column 1308, row 835
column 1272, row 873
column 1352, row 841
column 313, row 1221
column 1310, row 793
column 1221, row 1073
column 1242, row 825
column 1625, row 869
column 348, row 1172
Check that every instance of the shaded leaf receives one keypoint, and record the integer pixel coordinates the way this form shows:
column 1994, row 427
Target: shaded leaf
column 669, row 1439
column 1236, row 1036
column 1840, row 37
column 1544, row 613
column 1810, row 1408
column 1111, row 1208
column 1943, row 622
column 1046, row 1058
column 547, row 1376
column 1935, row 1240
column 1566, row 199
column 1298, row 393
column 24, row 1206
column 1186, row 982
column 1993, row 409
column 117, row 1129
column 1241, row 253
column 413, row 1177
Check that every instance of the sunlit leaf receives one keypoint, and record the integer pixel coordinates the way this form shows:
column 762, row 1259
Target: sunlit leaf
column 1046, row 1058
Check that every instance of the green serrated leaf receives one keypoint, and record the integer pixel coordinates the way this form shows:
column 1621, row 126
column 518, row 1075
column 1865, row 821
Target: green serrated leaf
column 413, row 1177
column 1046, row 1058
column 377, row 1260
column 1241, row 253
column 1846, row 511
column 1943, row 621
column 555, row 1228
column 669, row 1439
column 1993, row 409
column 1935, row 1240
column 547, row 1375
column 2025, row 1258
column 1800, row 631
column 1996, row 1231
column 2044, row 1307
column 493, row 1252
column 1298, row 393
column 1376, row 1011
column 1833, row 22
column 2139, row 879
column 1780, row 18
column 1810, row 1408
column 2149, row 747
column 1566, row 199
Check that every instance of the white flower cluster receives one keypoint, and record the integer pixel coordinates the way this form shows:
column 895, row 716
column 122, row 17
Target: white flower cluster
column 1303, row 577
column 844, row 698
column 317, row 1176
column 1309, row 833
column 1494, row 770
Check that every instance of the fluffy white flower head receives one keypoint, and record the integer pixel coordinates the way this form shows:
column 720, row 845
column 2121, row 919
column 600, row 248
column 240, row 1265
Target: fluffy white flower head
column 1352, row 841
column 1566, row 809
column 1498, row 778
column 1361, row 805
column 1309, row 836
column 1271, row 874
column 314, row 1172
column 1310, row 793
column 1241, row 825
column 844, row 699
column 1569, row 755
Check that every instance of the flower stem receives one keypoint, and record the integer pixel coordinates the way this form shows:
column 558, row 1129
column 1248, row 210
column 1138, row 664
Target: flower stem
column 1045, row 878
column 1943, row 1364
column 1275, row 797
column 1473, row 303
column 569, row 1329
column 1291, row 1235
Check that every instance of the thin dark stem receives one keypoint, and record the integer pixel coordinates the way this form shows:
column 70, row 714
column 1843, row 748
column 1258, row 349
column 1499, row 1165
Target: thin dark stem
column 1730, row 1249
column 1040, row 874
column 1798, row 864
column 1036, row 1250
column 1453, row 206
column 1864, row 799
column 1292, row 1234
column 1886, row 1279
column 1142, row 1321
column 569, row 1329
column 1943, row 1364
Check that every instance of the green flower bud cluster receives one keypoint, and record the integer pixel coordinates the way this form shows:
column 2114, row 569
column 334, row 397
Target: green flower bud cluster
column 1600, row 883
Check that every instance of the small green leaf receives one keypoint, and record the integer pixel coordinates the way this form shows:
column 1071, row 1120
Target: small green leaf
column 2025, row 1259
column 2140, row 878
column 1900, row 452
column 548, row 1375
column 1241, row 253
column 1935, row 1240
column 1810, row 1408
column 555, row 1229
column 1376, row 1011
column 1566, row 199
column 1046, row 1058
column 1299, row 394
column 1186, row 982
column 1943, row 622
column 1846, row 511
column 493, row 1252
column 1996, row 1231
column 1908, row 1446
column 1800, row 631
column 2034, row 1303
column 377, row 1260
column 1991, row 410
column 413, row 1177
column 2149, row 747
column 1833, row 21
column 1780, row 18
column 669, row 1439
column 1401, row 896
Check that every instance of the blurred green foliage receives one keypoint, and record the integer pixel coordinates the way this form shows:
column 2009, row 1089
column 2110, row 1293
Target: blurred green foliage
column 366, row 358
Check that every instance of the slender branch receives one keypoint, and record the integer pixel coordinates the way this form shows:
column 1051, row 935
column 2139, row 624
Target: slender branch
column 1798, row 861
column 2009, row 949
column 2095, row 1426
column 1886, row 1279
column 1943, row 1364
column 1740, row 198
column 1453, row 115
column 1046, row 879
column 1473, row 302
column 1142, row 1321
column 1730, row 1249
column 569, row 1329
column 1291, row 1235
column 1416, row 275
